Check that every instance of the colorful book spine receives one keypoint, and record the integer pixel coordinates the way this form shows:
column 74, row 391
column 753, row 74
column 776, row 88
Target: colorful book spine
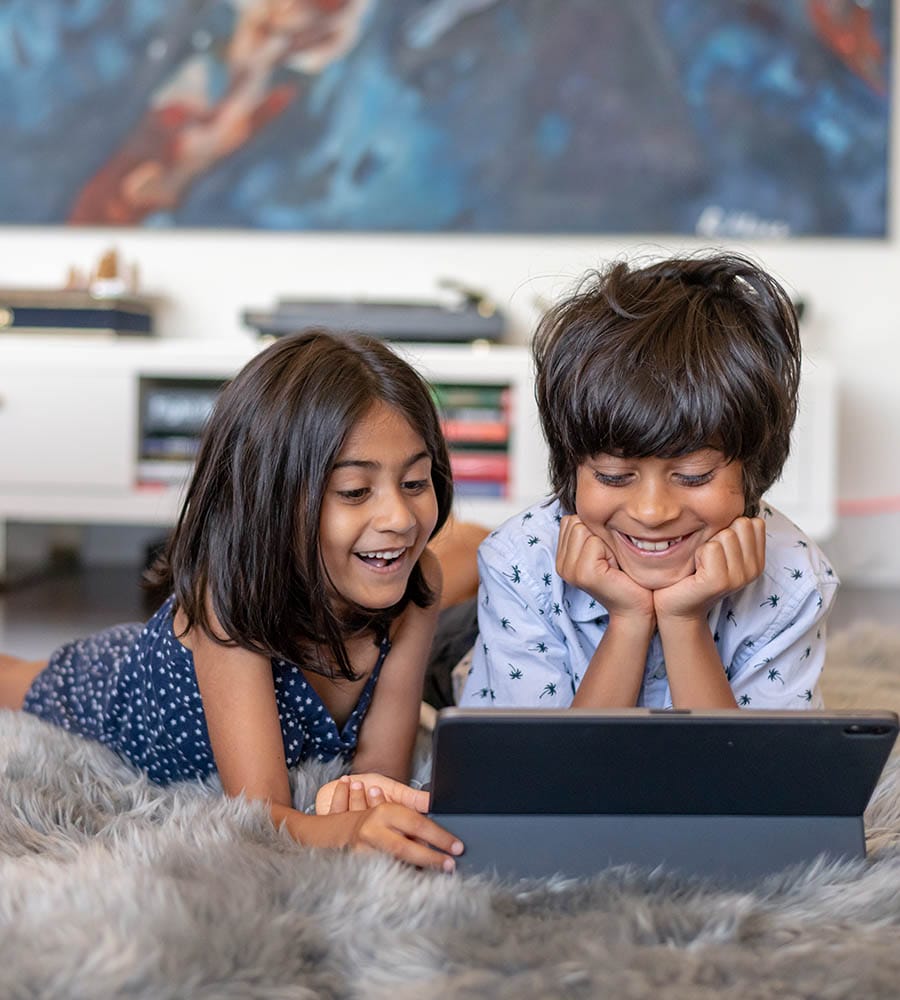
column 480, row 465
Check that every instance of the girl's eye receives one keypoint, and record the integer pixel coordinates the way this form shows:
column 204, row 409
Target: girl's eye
column 611, row 479
column 357, row 494
column 416, row 485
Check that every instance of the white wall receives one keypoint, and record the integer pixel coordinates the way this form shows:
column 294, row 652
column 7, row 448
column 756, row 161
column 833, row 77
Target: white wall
column 852, row 289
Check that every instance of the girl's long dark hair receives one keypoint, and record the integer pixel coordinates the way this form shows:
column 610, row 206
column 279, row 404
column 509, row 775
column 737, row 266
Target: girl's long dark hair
column 246, row 544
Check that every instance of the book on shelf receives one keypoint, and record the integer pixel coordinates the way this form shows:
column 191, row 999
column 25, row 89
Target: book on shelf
column 482, row 432
column 481, row 488
column 480, row 465
column 471, row 395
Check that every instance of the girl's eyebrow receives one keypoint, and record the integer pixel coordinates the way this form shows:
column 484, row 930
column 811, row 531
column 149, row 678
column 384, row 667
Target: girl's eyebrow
column 362, row 463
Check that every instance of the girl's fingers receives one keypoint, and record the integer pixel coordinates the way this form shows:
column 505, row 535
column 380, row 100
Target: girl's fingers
column 406, row 835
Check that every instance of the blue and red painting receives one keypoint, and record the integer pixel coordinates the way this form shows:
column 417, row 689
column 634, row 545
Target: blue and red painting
column 762, row 118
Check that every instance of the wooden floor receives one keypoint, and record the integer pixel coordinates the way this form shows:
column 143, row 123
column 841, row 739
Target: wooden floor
column 38, row 616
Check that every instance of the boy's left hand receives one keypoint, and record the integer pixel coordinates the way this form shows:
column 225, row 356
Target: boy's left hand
column 725, row 563
column 355, row 792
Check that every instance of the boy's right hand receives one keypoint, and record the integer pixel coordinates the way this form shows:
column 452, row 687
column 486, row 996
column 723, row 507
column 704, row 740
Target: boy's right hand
column 586, row 561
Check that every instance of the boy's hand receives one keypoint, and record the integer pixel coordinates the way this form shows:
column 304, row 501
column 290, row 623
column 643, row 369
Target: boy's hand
column 586, row 561
column 355, row 792
column 725, row 563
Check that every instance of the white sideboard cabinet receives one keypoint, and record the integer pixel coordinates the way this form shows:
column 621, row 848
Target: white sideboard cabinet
column 74, row 442
column 75, row 446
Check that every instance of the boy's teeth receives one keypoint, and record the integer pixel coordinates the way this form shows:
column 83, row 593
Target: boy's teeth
column 647, row 546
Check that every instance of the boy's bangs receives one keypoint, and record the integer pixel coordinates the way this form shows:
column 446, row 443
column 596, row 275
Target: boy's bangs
column 665, row 422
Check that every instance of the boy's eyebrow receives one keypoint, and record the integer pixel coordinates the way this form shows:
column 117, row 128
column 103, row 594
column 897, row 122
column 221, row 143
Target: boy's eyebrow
column 362, row 463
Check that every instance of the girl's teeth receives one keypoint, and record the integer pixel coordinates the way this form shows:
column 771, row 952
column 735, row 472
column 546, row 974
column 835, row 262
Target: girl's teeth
column 646, row 546
column 382, row 555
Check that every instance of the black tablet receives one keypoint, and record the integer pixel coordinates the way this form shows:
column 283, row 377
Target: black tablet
column 729, row 794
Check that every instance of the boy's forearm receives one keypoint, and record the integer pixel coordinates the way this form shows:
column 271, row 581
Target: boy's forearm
column 614, row 676
column 695, row 671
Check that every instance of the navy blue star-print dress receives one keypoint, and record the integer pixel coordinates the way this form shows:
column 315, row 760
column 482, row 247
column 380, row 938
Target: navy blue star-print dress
column 134, row 688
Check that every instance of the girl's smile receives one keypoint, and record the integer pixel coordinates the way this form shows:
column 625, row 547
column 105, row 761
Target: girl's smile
column 379, row 509
column 655, row 513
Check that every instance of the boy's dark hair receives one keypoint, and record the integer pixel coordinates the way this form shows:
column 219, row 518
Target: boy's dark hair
column 247, row 539
column 684, row 354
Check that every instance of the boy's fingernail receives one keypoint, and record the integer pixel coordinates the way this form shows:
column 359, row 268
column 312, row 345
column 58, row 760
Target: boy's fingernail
column 456, row 847
column 449, row 865
column 356, row 785
column 375, row 793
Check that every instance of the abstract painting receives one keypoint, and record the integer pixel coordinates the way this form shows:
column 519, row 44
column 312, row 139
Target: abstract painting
column 760, row 118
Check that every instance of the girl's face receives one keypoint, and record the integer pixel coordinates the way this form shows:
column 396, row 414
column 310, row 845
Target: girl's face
column 654, row 513
column 379, row 509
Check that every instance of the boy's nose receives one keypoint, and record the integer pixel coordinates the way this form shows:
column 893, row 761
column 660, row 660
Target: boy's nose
column 654, row 504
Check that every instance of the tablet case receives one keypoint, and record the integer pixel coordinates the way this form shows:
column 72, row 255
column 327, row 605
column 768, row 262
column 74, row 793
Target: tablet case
column 729, row 795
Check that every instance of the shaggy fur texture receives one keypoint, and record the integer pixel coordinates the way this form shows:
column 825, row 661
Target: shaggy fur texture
column 112, row 887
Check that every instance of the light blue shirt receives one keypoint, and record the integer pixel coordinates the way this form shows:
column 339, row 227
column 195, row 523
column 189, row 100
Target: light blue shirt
column 537, row 633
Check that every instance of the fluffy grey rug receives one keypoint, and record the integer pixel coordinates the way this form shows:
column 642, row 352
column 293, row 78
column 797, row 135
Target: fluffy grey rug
column 110, row 887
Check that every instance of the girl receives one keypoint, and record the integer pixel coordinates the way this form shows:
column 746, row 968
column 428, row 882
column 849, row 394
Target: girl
column 667, row 395
column 302, row 601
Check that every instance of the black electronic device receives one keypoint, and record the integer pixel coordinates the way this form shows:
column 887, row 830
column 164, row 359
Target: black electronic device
column 730, row 795
column 468, row 316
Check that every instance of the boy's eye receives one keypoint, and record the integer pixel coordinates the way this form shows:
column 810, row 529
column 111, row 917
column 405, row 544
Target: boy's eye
column 610, row 478
column 695, row 480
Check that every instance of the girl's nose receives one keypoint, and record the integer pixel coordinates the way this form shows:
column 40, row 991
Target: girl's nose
column 394, row 513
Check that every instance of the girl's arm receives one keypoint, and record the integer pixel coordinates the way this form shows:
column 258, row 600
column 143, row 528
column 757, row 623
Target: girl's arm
column 242, row 720
column 388, row 732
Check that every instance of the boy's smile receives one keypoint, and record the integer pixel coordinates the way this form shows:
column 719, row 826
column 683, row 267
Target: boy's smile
column 379, row 509
column 655, row 513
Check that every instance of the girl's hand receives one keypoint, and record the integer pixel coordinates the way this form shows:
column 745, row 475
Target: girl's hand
column 404, row 834
column 355, row 792
column 586, row 561
column 724, row 564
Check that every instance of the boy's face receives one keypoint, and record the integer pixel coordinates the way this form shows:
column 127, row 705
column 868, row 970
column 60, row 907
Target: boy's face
column 654, row 513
